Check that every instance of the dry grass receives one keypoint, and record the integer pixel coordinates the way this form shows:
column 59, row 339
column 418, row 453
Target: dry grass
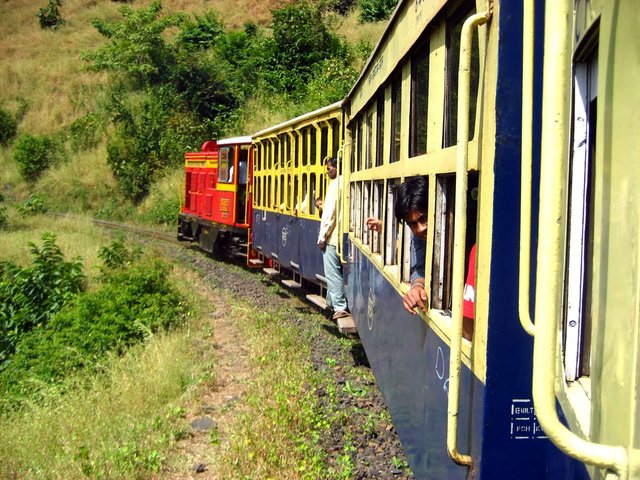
column 75, row 237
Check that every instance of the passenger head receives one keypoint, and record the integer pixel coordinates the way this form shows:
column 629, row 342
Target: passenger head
column 411, row 205
column 332, row 167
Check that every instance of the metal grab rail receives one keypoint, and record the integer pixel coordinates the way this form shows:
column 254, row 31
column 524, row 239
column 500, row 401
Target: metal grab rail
column 548, row 296
column 526, row 163
column 460, row 226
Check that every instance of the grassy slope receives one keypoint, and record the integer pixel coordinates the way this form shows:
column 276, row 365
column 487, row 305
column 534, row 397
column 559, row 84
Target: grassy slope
column 44, row 78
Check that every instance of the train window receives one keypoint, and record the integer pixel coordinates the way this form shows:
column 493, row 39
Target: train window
column 380, row 130
column 282, row 202
column 579, row 267
column 443, row 242
column 359, row 142
column 313, row 145
column 312, row 188
column 335, row 136
column 305, row 151
column 454, row 29
column 443, row 229
column 358, row 210
column 369, row 137
column 225, row 165
column 419, row 99
column 376, row 212
column 366, row 206
column 324, row 142
column 391, row 225
column 268, row 192
column 396, row 117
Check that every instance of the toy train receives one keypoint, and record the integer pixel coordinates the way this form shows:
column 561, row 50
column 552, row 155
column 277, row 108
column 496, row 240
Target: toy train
column 520, row 116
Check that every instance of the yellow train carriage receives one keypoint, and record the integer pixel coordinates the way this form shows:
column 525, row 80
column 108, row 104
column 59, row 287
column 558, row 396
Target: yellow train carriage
column 289, row 176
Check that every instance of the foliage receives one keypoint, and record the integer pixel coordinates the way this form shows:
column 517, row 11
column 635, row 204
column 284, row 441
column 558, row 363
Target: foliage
column 341, row 6
column 164, row 209
column 3, row 217
column 202, row 32
column 300, row 41
column 132, row 304
column 8, row 127
column 117, row 256
column 49, row 15
column 30, row 296
column 376, row 10
column 34, row 154
column 33, row 206
column 84, row 133
column 332, row 80
column 150, row 136
column 137, row 48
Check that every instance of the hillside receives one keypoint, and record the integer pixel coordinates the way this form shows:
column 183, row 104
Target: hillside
column 48, row 87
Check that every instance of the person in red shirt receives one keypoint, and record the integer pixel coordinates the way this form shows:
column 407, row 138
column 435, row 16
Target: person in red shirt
column 469, row 297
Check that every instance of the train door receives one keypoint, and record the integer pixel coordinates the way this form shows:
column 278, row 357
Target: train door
column 242, row 184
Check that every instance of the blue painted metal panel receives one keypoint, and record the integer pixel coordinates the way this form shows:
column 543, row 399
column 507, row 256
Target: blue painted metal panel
column 411, row 365
column 288, row 229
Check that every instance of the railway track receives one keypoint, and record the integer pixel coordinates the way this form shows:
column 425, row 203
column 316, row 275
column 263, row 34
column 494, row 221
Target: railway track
column 165, row 236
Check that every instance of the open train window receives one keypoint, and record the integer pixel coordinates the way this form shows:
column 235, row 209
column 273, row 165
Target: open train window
column 225, row 165
column 454, row 30
column 396, row 117
column 335, row 136
column 357, row 200
column 391, row 225
column 419, row 99
column 366, row 206
column 380, row 129
column 324, row 142
column 577, row 322
column 368, row 147
column 443, row 231
column 305, row 146
column 376, row 212
column 313, row 140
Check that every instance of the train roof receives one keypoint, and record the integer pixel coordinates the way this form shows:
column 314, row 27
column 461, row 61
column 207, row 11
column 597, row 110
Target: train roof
column 299, row 119
column 234, row 140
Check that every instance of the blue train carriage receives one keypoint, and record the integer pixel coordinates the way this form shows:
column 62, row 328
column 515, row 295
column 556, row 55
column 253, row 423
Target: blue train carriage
column 585, row 320
column 289, row 176
column 444, row 96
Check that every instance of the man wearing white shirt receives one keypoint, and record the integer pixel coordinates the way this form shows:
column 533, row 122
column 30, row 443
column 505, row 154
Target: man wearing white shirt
column 328, row 238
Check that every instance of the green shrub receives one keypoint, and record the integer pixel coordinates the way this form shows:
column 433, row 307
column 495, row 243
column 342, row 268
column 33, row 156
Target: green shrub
column 8, row 127
column 30, row 296
column 164, row 210
column 3, row 217
column 33, row 206
column 49, row 15
column 376, row 10
column 117, row 256
column 129, row 306
column 84, row 133
column 201, row 33
column 33, row 154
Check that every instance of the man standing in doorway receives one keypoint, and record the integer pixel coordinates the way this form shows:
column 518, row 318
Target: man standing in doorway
column 327, row 242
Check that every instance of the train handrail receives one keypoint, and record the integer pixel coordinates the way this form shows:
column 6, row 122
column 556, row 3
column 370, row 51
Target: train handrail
column 460, row 226
column 524, row 272
column 549, row 274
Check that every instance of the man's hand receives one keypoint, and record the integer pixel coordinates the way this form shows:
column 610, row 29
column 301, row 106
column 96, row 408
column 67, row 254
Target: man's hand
column 322, row 244
column 415, row 297
column 374, row 224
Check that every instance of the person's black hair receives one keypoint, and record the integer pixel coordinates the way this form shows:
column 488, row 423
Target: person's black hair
column 412, row 194
column 333, row 161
